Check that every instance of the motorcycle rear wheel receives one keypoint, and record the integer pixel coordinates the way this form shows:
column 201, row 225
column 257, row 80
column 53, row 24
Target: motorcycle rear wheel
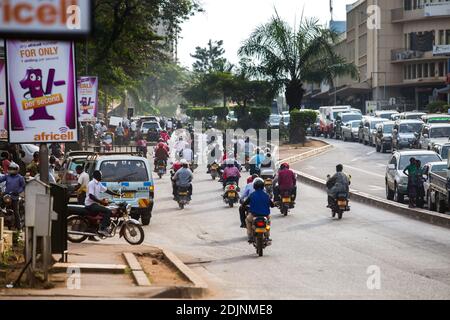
column 181, row 205
column 259, row 245
column 77, row 224
column 133, row 234
column 340, row 214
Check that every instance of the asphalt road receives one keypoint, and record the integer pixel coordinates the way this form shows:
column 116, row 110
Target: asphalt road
column 312, row 256
column 366, row 166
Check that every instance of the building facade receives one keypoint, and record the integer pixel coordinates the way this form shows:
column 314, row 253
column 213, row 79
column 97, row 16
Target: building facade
column 402, row 51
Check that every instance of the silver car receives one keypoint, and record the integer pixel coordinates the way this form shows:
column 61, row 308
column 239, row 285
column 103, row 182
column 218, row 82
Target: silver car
column 350, row 130
column 432, row 134
column 405, row 133
column 396, row 180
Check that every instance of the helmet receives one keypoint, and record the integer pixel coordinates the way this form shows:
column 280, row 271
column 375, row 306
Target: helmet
column 183, row 162
column 285, row 166
column 161, row 145
column 13, row 168
column 258, row 184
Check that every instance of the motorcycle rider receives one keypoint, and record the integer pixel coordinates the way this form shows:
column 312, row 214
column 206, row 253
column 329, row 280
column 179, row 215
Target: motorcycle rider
column 260, row 204
column 231, row 172
column 161, row 154
column 339, row 183
column 248, row 190
column 15, row 185
column 285, row 181
column 255, row 162
column 82, row 185
column 183, row 178
column 95, row 205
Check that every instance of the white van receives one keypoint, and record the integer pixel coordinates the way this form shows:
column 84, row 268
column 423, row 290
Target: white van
column 328, row 115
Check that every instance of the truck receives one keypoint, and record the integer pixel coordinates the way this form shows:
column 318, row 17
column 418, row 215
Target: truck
column 328, row 115
column 438, row 195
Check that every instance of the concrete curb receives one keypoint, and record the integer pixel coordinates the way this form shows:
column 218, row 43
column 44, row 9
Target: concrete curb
column 418, row 214
column 199, row 288
column 307, row 154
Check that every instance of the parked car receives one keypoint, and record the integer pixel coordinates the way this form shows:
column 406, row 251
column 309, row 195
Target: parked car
column 428, row 169
column 436, row 118
column 68, row 175
column 442, row 150
column 130, row 174
column 150, row 125
column 412, row 115
column 341, row 121
column 386, row 114
column 286, row 118
column 369, row 130
column 396, row 181
column 383, row 138
column 431, row 134
column 350, row 130
column 395, row 117
column 274, row 121
column 405, row 133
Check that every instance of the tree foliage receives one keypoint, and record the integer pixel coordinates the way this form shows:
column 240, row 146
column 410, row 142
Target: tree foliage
column 210, row 59
column 290, row 56
column 438, row 107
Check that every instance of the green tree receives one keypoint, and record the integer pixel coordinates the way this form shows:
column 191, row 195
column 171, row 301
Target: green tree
column 438, row 107
column 210, row 58
column 290, row 56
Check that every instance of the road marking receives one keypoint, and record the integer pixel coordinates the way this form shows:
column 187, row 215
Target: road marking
column 370, row 153
column 356, row 159
column 365, row 171
column 376, row 188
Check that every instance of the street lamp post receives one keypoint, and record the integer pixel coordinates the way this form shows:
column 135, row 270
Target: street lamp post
column 385, row 76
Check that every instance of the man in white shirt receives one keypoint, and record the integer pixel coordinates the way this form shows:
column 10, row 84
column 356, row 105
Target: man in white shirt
column 133, row 126
column 82, row 186
column 187, row 154
column 95, row 205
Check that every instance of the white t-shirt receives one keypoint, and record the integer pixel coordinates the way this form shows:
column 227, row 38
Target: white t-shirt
column 133, row 126
column 95, row 188
column 83, row 181
column 187, row 154
column 169, row 125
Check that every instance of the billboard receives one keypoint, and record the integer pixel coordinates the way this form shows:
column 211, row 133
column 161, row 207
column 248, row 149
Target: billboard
column 3, row 116
column 87, row 88
column 45, row 18
column 41, row 91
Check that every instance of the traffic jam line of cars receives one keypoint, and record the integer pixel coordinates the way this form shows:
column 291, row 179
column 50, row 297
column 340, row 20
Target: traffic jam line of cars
column 425, row 137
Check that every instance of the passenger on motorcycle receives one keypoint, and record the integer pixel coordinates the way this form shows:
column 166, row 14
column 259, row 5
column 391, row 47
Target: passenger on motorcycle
column 260, row 204
column 15, row 185
column 94, row 204
column 164, row 136
column 231, row 172
column 255, row 162
column 339, row 183
column 285, row 181
column 183, row 178
column 161, row 154
column 248, row 190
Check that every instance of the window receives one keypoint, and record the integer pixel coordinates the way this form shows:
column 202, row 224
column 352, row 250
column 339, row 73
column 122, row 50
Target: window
column 447, row 36
column 414, row 74
column 425, row 70
column 407, row 4
column 441, row 69
column 432, row 70
column 441, row 39
column 124, row 171
column 419, row 70
column 409, row 71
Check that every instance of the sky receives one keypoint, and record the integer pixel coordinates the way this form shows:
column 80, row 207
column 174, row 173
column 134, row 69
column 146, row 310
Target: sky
column 234, row 20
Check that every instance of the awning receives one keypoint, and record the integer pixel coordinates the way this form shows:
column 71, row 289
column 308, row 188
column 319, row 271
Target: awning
column 444, row 90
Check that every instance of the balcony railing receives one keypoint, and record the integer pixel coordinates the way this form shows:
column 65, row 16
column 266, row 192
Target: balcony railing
column 402, row 54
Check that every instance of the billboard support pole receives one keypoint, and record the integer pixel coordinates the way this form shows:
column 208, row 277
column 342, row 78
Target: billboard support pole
column 86, row 138
column 43, row 173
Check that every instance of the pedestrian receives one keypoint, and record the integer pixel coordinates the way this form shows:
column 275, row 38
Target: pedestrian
column 33, row 167
column 120, row 132
column 142, row 145
column 411, row 172
column 81, row 187
column 6, row 161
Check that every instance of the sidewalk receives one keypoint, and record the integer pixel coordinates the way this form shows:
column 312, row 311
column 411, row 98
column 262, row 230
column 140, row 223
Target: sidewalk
column 116, row 271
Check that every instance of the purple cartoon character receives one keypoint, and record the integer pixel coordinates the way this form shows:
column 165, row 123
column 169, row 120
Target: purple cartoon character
column 33, row 82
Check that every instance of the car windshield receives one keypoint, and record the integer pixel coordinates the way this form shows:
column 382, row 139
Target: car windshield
column 355, row 124
column 444, row 152
column 351, row 117
column 388, row 128
column 443, row 132
column 150, row 125
column 424, row 158
column 373, row 124
column 124, row 171
column 414, row 116
column 275, row 118
column 386, row 115
column 410, row 127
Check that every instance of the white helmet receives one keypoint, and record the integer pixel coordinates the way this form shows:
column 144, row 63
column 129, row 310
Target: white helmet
column 184, row 162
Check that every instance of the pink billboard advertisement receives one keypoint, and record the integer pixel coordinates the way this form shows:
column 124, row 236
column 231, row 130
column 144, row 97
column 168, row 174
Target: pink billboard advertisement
column 87, row 98
column 41, row 91
column 3, row 116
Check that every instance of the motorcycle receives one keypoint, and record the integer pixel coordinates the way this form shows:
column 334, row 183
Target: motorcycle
column 183, row 197
column 161, row 168
column 13, row 214
column 261, row 227
column 214, row 170
column 267, row 176
column 83, row 224
column 340, row 205
column 231, row 195
column 286, row 203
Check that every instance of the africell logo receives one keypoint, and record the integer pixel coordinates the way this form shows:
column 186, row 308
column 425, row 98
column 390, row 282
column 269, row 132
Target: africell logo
column 45, row 15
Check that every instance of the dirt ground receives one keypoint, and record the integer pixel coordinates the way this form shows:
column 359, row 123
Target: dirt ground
column 160, row 271
column 289, row 150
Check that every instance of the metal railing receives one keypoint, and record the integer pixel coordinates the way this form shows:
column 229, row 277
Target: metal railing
column 403, row 54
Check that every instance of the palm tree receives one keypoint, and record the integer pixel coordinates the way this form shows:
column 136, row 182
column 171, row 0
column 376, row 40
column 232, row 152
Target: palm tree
column 289, row 57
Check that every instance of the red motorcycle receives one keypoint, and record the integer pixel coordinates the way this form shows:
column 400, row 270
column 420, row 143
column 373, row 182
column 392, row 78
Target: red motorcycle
column 83, row 224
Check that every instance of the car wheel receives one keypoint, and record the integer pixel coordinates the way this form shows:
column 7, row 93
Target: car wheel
column 398, row 197
column 440, row 205
column 431, row 204
column 389, row 193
